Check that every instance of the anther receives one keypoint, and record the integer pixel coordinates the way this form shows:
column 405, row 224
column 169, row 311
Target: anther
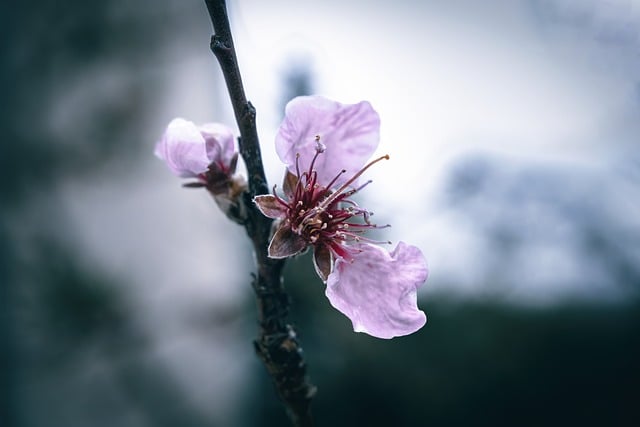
column 320, row 147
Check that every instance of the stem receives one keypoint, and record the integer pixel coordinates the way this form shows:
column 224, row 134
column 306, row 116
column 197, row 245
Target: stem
column 277, row 344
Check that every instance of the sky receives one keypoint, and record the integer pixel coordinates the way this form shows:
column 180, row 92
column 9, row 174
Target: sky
column 547, row 90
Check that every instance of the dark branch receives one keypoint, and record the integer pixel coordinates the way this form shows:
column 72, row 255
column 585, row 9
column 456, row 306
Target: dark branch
column 222, row 47
column 277, row 344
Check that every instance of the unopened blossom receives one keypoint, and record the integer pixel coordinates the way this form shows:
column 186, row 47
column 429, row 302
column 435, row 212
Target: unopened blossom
column 192, row 151
column 208, row 154
column 325, row 146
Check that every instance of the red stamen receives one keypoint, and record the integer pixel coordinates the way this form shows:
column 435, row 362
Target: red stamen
column 352, row 179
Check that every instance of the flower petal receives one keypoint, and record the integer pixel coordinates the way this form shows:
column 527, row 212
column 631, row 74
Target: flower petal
column 220, row 143
column 350, row 133
column 270, row 207
column 289, row 184
column 285, row 243
column 322, row 261
column 377, row 291
column 182, row 147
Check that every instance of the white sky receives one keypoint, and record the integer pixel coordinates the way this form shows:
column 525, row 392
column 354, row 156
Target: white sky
column 546, row 82
column 553, row 82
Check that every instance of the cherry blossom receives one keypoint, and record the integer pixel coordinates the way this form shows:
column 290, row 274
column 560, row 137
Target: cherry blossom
column 208, row 154
column 205, row 152
column 325, row 146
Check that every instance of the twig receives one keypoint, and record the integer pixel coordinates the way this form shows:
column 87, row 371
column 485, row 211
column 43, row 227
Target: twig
column 277, row 344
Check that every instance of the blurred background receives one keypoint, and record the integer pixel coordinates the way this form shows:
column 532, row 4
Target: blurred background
column 513, row 130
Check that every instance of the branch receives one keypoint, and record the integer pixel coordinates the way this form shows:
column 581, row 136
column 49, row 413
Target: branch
column 277, row 344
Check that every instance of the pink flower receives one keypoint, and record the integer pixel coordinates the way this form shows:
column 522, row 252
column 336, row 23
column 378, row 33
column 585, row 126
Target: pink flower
column 204, row 152
column 325, row 146
column 208, row 154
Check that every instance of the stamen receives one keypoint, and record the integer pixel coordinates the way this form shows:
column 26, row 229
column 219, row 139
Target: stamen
column 366, row 215
column 298, row 165
column 368, row 240
column 362, row 186
column 356, row 225
column 344, row 186
column 336, row 178
column 320, row 147
column 319, row 150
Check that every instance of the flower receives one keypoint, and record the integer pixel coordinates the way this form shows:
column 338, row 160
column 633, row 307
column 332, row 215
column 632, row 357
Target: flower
column 192, row 151
column 207, row 153
column 324, row 145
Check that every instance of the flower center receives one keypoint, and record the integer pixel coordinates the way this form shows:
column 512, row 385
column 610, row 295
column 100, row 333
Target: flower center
column 323, row 216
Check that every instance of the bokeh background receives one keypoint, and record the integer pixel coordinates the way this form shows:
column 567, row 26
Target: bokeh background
column 513, row 129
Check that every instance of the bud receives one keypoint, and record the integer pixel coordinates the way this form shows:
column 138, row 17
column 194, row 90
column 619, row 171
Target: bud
column 208, row 154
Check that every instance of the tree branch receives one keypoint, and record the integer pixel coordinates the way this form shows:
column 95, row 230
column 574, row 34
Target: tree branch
column 277, row 344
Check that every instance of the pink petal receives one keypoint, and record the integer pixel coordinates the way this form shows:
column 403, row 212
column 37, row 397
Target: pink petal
column 378, row 290
column 220, row 143
column 350, row 133
column 182, row 147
